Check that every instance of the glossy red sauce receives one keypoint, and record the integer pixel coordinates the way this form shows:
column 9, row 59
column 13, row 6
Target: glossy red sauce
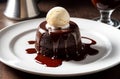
column 49, row 62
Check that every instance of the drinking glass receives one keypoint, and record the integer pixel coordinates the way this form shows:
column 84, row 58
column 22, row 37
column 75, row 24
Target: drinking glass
column 106, row 7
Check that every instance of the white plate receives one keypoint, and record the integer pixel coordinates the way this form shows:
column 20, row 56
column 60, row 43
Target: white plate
column 13, row 43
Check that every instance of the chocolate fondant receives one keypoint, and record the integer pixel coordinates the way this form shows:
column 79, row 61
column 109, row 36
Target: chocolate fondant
column 58, row 43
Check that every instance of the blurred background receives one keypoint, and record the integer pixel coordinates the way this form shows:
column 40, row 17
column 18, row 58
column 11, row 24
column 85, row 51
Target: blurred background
column 76, row 8
column 85, row 8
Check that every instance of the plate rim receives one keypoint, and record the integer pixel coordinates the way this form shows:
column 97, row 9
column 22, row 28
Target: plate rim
column 49, row 73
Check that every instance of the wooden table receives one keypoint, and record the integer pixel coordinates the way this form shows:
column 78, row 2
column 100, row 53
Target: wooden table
column 78, row 9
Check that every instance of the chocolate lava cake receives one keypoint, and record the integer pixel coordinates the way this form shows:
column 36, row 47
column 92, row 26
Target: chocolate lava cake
column 59, row 43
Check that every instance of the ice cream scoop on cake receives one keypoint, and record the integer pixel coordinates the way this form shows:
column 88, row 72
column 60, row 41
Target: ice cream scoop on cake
column 57, row 37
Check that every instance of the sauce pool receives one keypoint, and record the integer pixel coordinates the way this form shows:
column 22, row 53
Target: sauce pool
column 49, row 62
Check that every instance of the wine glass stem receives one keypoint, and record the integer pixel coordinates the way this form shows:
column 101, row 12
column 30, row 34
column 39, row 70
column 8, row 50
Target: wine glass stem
column 106, row 16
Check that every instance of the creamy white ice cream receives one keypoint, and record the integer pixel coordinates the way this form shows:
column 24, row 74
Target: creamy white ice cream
column 57, row 17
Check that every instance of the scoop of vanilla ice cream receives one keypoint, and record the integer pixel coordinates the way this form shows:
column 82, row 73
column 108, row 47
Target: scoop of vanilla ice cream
column 58, row 17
